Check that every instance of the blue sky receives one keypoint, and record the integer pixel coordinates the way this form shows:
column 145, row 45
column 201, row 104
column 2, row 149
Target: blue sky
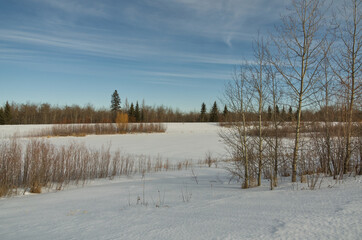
column 178, row 53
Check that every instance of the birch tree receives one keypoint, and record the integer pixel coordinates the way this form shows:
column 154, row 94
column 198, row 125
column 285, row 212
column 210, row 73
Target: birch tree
column 347, row 63
column 275, row 91
column 258, row 81
column 297, row 56
column 236, row 139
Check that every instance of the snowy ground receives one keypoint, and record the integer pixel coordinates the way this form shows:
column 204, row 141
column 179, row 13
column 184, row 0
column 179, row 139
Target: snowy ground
column 171, row 205
column 189, row 141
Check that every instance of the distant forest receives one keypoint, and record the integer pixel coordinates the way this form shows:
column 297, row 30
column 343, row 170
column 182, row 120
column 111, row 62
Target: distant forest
column 29, row 113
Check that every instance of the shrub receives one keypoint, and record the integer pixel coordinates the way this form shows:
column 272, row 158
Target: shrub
column 39, row 165
column 80, row 130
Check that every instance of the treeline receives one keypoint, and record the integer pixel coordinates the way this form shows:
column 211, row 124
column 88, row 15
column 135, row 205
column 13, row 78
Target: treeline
column 284, row 113
column 29, row 113
column 45, row 113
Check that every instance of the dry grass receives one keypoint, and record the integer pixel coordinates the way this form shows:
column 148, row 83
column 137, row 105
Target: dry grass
column 287, row 129
column 39, row 165
column 81, row 130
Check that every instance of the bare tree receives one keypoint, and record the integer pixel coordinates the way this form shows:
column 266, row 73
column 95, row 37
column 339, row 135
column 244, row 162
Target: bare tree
column 347, row 63
column 235, row 137
column 275, row 92
column 298, row 57
column 325, row 96
column 259, row 82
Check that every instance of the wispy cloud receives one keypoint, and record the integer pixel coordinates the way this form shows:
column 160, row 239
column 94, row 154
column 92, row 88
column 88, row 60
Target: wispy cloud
column 192, row 75
column 88, row 44
column 167, row 82
column 166, row 29
column 101, row 46
column 224, row 20
column 158, row 42
column 77, row 7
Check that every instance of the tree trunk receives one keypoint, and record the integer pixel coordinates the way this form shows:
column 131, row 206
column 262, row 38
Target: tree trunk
column 296, row 143
column 246, row 160
column 260, row 163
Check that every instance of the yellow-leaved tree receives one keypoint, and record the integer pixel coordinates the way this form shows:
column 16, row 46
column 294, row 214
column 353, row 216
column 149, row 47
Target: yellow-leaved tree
column 122, row 122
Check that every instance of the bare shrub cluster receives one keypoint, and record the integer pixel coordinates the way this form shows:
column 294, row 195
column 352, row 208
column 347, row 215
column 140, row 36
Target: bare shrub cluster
column 287, row 129
column 322, row 153
column 81, row 130
column 312, row 63
column 330, row 148
column 39, row 165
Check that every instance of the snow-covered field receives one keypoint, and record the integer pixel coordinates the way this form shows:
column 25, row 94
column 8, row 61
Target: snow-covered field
column 188, row 141
column 173, row 205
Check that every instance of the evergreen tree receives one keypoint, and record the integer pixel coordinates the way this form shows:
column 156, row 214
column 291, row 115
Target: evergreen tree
column 225, row 112
column 290, row 114
column 137, row 114
column 115, row 104
column 131, row 113
column 203, row 113
column 2, row 121
column 269, row 113
column 143, row 111
column 214, row 113
column 7, row 116
column 277, row 112
column 283, row 115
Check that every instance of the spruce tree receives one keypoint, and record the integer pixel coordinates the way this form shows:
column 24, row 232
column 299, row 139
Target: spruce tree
column 269, row 113
column 203, row 113
column 137, row 114
column 2, row 121
column 131, row 113
column 7, row 113
column 214, row 114
column 290, row 114
column 277, row 112
column 115, row 104
column 283, row 116
column 143, row 111
column 225, row 112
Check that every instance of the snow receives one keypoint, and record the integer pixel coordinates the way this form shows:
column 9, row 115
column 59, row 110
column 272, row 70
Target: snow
column 182, row 141
column 171, row 205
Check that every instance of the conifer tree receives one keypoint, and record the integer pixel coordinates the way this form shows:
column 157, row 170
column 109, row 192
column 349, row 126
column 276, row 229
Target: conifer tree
column 2, row 121
column 277, row 112
column 283, row 115
column 203, row 113
column 269, row 113
column 290, row 114
column 214, row 114
column 7, row 114
column 137, row 114
column 143, row 111
column 225, row 112
column 115, row 104
column 131, row 113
